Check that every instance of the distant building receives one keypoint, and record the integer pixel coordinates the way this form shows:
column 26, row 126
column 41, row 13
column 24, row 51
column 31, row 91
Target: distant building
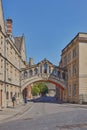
column 74, row 60
column 12, row 59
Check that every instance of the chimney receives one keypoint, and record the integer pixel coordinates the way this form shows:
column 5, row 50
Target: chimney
column 31, row 62
column 9, row 26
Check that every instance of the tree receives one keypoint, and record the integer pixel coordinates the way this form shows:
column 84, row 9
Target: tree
column 35, row 91
column 39, row 88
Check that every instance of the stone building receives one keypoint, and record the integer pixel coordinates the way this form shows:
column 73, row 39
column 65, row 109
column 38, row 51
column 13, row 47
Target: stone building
column 74, row 60
column 13, row 62
column 12, row 59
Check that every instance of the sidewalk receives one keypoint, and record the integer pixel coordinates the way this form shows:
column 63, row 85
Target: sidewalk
column 74, row 105
column 10, row 112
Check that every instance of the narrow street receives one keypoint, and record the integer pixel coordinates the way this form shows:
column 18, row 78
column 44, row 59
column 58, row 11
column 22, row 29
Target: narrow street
column 47, row 114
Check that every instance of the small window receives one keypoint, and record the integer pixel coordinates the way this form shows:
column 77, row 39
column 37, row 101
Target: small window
column 69, row 57
column 74, row 53
column 35, row 71
column 74, row 70
column 74, row 90
column 7, row 95
column 54, row 72
column 25, row 74
column 30, row 73
column 69, row 90
column 65, row 60
column 11, row 94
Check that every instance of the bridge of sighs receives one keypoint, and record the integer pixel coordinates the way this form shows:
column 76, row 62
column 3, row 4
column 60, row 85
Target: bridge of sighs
column 44, row 71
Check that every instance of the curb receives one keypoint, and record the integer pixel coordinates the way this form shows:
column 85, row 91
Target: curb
column 22, row 111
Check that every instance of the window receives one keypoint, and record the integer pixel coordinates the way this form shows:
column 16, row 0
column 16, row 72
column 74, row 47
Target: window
column 69, row 57
column 11, row 94
column 7, row 95
column 74, row 90
column 65, row 60
column 54, row 72
column 63, row 76
column 1, row 63
column 69, row 73
column 35, row 71
column 59, row 75
column 74, row 70
column 25, row 74
column 69, row 90
column 30, row 73
column 15, row 94
column 45, row 68
column 74, row 53
column 40, row 69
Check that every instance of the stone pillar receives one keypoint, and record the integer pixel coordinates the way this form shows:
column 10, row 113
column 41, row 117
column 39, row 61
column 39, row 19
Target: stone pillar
column 29, row 94
column 47, row 69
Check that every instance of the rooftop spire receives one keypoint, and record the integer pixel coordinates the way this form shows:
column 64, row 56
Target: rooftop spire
column 2, row 23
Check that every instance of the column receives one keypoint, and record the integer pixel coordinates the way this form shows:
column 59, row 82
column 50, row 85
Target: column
column 29, row 94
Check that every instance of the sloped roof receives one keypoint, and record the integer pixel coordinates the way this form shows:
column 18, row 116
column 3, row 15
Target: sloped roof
column 45, row 61
column 18, row 42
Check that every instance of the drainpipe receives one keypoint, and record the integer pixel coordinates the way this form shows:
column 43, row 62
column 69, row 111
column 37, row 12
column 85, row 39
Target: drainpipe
column 5, row 70
column 1, row 99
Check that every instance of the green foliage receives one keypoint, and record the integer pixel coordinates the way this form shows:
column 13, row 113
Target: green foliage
column 35, row 91
column 39, row 88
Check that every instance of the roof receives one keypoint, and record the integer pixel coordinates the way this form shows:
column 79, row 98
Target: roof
column 78, row 35
column 45, row 61
column 18, row 42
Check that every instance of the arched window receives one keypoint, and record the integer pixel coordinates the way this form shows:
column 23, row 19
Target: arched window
column 25, row 74
column 49, row 69
column 54, row 72
column 7, row 95
column 30, row 73
column 45, row 68
column 41, row 69
column 15, row 94
column 35, row 71
column 11, row 94
column 58, row 74
column 63, row 75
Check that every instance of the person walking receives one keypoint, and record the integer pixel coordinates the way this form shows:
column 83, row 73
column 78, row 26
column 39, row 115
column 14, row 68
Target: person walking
column 13, row 100
column 25, row 100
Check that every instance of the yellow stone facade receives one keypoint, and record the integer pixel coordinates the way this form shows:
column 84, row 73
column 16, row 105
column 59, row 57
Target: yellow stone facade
column 74, row 60
column 12, row 59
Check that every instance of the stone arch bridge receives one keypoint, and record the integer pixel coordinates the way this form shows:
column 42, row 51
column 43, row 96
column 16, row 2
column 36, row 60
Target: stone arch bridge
column 43, row 71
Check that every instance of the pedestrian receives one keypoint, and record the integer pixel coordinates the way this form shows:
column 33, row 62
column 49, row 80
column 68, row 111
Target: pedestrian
column 25, row 100
column 13, row 100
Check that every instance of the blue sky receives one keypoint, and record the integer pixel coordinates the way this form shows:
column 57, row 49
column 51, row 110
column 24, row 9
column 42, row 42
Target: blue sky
column 48, row 25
